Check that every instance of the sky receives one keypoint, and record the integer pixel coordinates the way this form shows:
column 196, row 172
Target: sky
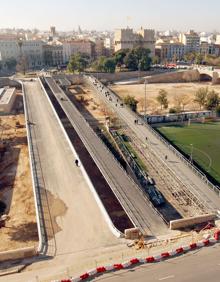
column 66, row 15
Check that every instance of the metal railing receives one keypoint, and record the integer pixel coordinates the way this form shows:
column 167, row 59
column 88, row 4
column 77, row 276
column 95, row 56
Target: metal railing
column 127, row 205
column 172, row 148
column 195, row 169
column 37, row 197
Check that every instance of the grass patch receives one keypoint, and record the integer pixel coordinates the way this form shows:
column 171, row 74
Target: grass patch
column 205, row 140
column 137, row 158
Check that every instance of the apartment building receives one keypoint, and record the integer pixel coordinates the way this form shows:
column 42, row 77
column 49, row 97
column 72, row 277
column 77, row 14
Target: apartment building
column 77, row 46
column 191, row 40
column 32, row 50
column 170, row 51
column 128, row 39
column 53, row 54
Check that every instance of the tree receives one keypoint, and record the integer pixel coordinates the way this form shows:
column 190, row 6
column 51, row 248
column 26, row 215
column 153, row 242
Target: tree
column 155, row 60
column 10, row 63
column 218, row 111
column 131, row 102
column 98, row 65
column 109, row 65
column 201, row 96
column 78, row 62
column 162, row 99
column 199, row 59
column 145, row 63
column 185, row 100
column 120, row 56
column 22, row 65
column 138, row 59
column 212, row 101
column 131, row 61
column 190, row 57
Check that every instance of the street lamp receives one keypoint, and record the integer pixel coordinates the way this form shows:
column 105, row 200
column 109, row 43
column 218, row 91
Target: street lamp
column 191, row 153
column 145, row 97
column 139, row 75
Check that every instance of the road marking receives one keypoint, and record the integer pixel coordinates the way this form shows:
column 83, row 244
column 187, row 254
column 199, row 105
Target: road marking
column 167, row 277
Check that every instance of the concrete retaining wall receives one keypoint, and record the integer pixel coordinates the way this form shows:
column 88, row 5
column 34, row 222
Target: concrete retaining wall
column 172, row 77
column 4, row 81
column 123, row 75
column 18, row 254
column 215, row 79
column 186, row 222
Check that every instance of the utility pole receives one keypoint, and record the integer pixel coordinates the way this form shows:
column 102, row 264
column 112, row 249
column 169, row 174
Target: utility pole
column 191, row 153
column 145, row 97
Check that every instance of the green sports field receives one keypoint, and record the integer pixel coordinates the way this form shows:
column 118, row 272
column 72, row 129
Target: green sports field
column 200, row 140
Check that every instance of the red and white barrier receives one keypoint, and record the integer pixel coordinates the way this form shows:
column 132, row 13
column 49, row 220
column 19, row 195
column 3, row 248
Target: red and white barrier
column 151, row 259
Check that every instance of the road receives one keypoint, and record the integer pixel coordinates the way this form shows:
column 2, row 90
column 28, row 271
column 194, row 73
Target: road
column 142, row 131
column 76, row 219
column 129, row 194
column 200, row 266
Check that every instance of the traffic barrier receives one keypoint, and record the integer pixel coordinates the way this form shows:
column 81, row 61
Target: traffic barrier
column 217, row 235
column 152, row 259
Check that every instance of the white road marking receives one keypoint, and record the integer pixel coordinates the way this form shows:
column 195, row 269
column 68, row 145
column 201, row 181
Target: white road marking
column 167, row 277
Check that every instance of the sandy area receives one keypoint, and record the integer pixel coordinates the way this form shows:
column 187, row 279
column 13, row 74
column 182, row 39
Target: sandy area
column 92, row 108
column 16, row 187
column 178, row 93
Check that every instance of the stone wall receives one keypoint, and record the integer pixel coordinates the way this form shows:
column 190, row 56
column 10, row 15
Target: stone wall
column 123, row 75
column 187, row 222
column 172, row 77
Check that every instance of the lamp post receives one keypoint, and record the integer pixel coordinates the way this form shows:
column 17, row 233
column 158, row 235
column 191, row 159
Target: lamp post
column 145, row 97
column 139, row 75
column 191, row 153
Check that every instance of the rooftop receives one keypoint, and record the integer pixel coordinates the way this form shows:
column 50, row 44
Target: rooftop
column 5, row 95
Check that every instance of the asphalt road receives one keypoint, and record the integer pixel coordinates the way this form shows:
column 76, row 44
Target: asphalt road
column 200, row 266
column 181, row 170
column 132, row 199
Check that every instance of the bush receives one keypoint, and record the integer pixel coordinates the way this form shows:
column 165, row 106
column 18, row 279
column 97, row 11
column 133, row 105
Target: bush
column 173, row 111
column 218, row 111
column 2, row 207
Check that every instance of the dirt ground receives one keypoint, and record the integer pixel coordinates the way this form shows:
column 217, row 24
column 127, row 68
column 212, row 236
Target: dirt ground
column 16, row 187
column 178, row 94
column 91, row 106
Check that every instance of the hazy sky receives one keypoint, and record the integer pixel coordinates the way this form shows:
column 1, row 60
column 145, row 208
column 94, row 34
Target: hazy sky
column 201, row 15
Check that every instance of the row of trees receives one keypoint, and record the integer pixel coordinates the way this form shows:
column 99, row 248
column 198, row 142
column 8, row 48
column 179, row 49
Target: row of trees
column 209, row 100
column 131, row 59
column 199, row 59
column 206, row 99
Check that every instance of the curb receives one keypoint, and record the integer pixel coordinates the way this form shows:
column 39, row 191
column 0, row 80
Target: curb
column 151, row 259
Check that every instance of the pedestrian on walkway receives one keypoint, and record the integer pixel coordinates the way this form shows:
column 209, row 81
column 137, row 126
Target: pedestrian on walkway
column 76, row 162
column 165, row 157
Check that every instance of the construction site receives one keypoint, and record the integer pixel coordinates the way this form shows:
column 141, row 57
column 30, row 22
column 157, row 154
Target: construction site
column 18, row 228
column 168, row 194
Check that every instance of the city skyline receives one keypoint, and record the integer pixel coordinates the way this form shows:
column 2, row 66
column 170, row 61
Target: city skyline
column 97, row 15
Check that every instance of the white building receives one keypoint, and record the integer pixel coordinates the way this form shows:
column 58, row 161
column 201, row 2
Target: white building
column 77, row 46
column 7, row 98
column 31, row 49
column 217, row 41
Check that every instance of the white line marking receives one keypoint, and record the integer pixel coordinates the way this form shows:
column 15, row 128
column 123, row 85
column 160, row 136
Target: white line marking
column 167, row 277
